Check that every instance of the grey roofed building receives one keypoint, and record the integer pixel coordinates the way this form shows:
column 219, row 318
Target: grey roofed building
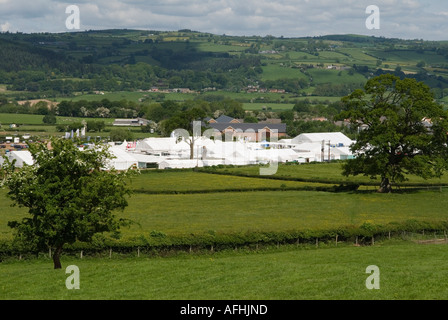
column 254, row 131
column 224, row 119
column 245, row 127
column 131, row 122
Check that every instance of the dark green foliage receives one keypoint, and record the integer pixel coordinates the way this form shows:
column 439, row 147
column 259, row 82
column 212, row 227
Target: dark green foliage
column 121, row 134
column 69, row 127
column 68, row 195
column 250, row 119
column 396, row 140
column 95, row 126
column 49, row 119
column 157, row 241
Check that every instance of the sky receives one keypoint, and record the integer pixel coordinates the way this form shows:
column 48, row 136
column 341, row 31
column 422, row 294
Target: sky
column 405, row 19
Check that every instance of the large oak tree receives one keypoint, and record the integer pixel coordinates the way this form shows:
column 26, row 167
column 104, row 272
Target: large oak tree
column 69, row 195
column 402, row 130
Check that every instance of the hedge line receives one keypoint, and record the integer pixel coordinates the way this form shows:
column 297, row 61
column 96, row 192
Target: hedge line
column 158, row 241
column 213, row 170
column 273, row 177
column 334, row 188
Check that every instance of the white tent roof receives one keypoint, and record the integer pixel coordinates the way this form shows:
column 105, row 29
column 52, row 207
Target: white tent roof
column 21, row 157
column 335, row 138
column 179, row 164
column 220, row 149
column 341, row 151
column 285, row 141
column 308, row 147
column 187, row 163
column 123, row 160
column 162, row 145
column 147, row 158
column 122, row 146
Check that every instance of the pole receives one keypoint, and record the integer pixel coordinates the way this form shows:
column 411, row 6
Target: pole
column 322, row 151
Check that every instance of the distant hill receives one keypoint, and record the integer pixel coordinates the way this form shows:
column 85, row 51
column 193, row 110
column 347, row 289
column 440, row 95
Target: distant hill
column 48, row 65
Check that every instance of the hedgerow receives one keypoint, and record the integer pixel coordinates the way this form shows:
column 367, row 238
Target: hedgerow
column 157, row 241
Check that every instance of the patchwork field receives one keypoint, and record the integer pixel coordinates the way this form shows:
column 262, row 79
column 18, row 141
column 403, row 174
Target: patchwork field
column 185, row 202
column 193, row 204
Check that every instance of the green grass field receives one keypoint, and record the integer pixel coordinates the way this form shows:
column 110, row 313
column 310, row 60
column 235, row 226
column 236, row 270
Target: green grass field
column 189, row 181
column 408, row 271
column 331, row 76
column 32, row 124
column 288, row 272
column 275, row 71
column 35, row 119
column 252, row 211
column 276, row 107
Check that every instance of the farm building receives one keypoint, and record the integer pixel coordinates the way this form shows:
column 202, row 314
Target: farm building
column 250, row 131
column 131, row 122
column 224, row 119
column 236, row 128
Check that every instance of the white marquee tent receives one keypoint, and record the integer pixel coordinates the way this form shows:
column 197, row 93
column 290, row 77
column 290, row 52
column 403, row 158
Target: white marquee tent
column 169, row 146
column 123, row 160
column 335, row 138
column 21, row 158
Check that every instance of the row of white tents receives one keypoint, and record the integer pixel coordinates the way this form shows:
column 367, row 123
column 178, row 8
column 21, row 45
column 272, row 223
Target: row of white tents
column 164, row 153
column 170, row 152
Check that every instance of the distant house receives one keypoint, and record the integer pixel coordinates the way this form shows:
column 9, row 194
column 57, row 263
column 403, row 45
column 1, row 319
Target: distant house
column 250, row 131
column 237, row 129
column 319, row 119
column 131, row 122
column 224, row 119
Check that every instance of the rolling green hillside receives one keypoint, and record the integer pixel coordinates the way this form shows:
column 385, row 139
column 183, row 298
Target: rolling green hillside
column 66, row 64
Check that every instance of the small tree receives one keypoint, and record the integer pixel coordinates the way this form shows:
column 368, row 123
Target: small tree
column 49, row 119
column 121, row 134
column 394, row 139
column 69, row 195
